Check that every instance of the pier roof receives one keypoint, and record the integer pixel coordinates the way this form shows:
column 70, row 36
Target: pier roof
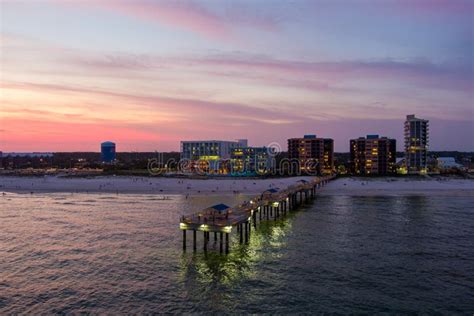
column 220, row 207
column 275, row 190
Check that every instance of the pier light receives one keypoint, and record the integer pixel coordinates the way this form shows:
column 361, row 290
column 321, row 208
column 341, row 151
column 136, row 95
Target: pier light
column 183, row 226
column 227, row 229
column 204, row 227
column 276, row 204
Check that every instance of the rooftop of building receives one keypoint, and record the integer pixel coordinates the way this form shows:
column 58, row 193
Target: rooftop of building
column 214, row 141
column 372, row 137
column 446, row 159
column 26, row 154
column 309, row 137
column 412, row 117
column 252, row 147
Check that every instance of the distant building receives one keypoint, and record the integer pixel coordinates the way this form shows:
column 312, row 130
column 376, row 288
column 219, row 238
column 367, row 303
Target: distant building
column 251, row 161
column 207, row 155
column 446, row 163
column 312, row 153
column 373, row 155
column 107, row 152
column 17, row 160
column 26, row 155
column 416, row 144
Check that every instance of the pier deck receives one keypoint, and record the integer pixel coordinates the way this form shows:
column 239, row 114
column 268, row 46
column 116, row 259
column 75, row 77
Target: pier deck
column 271, row 204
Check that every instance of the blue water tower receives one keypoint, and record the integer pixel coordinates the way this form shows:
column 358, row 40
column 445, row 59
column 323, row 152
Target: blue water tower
column 107, row 151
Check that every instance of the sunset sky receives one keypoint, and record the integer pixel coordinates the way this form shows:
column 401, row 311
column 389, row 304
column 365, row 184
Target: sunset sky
column 147, row 74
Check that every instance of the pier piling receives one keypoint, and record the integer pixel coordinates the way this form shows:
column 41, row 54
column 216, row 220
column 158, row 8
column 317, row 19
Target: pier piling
column 184, row 239
column 220, row 245
column 226, row 242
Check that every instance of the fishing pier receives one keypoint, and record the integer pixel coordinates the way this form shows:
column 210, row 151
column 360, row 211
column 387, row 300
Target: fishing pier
column 272, row 204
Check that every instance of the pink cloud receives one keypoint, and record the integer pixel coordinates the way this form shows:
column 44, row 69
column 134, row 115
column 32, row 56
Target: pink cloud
column 336, row 76
column 290, row 73
column 204, row 120
column 419, row 72
column 185, row 15
column 44, row 135
column 463, row 7
column 190, row 108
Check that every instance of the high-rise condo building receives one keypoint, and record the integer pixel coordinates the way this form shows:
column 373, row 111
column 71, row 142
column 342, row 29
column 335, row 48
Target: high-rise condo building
column 209, row 155
column 416, row 144
column 312, row 153
column 252, row 161
column 373, row 155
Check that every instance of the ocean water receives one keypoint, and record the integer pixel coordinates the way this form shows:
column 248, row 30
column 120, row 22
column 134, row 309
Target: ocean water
column 118, row 254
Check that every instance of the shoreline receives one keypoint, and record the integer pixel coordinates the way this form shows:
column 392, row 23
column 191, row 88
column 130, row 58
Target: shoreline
column 230, row 186
column 143, row 185
column 391, row 186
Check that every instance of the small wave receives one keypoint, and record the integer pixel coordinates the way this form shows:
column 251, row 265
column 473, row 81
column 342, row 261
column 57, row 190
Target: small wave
column 107, row 198
column 67, row 203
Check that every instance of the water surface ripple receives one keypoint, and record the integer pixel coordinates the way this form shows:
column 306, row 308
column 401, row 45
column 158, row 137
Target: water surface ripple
column 63, row 253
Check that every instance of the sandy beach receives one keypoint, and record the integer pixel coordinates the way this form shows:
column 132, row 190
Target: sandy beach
column 172, row 186
column 142, row 185
column 399, row 186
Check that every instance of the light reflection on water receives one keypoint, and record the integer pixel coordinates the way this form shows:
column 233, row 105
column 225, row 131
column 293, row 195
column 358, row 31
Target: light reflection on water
column 65, row 253
column 239, row 264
